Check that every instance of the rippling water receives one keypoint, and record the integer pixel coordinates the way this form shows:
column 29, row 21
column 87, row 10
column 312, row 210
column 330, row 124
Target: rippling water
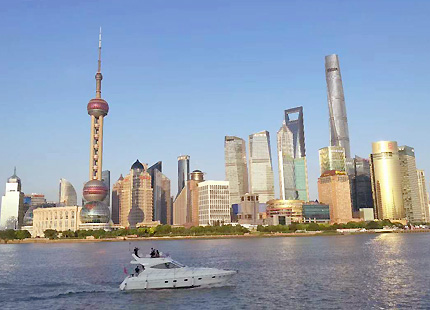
column 333, row 272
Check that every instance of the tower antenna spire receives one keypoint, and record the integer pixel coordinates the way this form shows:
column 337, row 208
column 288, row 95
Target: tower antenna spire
column 100, row 51
column 99, row 75
column 14, row 170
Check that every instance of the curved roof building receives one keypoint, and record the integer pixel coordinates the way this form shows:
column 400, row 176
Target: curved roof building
column 67, row 194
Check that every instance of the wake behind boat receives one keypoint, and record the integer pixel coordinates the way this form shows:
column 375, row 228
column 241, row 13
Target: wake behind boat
column 162, row 272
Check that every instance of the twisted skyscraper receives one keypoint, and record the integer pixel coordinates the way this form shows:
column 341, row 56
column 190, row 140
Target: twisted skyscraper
column 339, row 135
column 95, row 210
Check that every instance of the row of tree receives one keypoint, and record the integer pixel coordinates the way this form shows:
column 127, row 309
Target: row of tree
column 160, row 230
column 11, row 234
column 327, row 227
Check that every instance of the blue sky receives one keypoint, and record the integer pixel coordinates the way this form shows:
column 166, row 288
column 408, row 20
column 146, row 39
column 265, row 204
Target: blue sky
column 180, row 75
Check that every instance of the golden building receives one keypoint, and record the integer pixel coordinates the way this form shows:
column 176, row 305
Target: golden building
column 180, row 207
column 284, row 212
column 332, row 158
column 334, row 190
column 135, row 198
column 386, row 181
column 57, row 218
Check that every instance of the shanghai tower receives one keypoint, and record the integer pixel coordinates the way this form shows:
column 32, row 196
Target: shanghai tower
column 339, row 135
column 95, row 212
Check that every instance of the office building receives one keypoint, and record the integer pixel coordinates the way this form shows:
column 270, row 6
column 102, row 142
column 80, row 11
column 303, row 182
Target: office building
column 424, row 199
column 292, row 165
column 160, row 203
column 332, row 158
column 361, row 186
column 135, row 199
column 192, row 216
column 106, row 181
column 12, row 204
column 236, row 170
column 116, row 200
column 180, row 208
column 183, row 171
column 410, row 190
column 334, row 190
column 284, row 212
column 339, row 135
column 166, row 200
column 214, row 203
column 67, row 194
column 251, row 211
column 95, row 214
column 386, row 180
column 260, row 166
column 315, row 212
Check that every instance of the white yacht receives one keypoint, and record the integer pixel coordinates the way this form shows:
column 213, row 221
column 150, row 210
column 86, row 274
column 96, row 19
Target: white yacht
column 163, row 272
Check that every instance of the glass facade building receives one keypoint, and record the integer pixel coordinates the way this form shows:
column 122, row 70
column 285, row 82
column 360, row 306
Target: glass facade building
column 339, row 134
column 159, row 188
column 292, row 166
column 106, row 181
column 260, row 166
column 183, row 171
column 332, row 158
column 236, row 170
column 386, row 181
column 316, row 212
column 410, row 190
column 424, row 199
column 361, row 186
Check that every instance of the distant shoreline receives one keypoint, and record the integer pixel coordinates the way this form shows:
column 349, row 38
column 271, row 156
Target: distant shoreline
column 252, row 235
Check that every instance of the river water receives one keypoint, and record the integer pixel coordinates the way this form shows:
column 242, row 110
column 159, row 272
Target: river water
column 382, row 271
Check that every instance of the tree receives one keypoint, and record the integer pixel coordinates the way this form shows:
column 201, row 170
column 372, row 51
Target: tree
column 372, row 225
column 8, row 234
column 22, row 234
column 51, row 234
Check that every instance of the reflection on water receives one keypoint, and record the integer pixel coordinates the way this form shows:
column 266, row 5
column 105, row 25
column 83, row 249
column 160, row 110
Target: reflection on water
column 333, row 272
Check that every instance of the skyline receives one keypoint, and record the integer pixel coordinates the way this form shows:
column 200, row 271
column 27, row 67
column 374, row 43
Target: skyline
column 211, row 67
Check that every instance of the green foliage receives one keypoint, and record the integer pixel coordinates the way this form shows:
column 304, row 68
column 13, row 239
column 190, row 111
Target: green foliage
column 22, row 234
column 51, row 234
column 372, row 225
column 8, row 234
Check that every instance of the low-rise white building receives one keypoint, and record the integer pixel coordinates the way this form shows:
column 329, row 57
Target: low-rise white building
column 58, row 218
column 214, row 203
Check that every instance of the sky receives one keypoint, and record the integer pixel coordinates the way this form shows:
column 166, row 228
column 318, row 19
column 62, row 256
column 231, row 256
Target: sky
column 180, row 75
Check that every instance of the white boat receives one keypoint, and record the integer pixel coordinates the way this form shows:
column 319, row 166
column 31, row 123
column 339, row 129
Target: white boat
column 164, row 272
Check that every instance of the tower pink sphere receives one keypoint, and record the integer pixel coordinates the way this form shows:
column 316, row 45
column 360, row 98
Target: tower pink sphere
column 95, row 190
column 98, row 107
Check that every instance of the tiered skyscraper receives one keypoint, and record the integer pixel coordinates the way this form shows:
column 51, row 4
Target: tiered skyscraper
column 339, row 135
column 95, row 212
column 292, row 166
column 260, row 166
column 12, row 204
column 183, row 171
column 236, row 171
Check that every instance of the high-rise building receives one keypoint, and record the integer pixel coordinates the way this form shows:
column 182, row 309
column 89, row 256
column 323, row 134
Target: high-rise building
column 95, row 214
column 260, row 166
column 166, row 200
column 67, row 194
column 180, row 207
column 183, row 171
column 339, row 135
column 196, row 177
column 292, row 165
column 334, row 190
column 116, row 199
column 410, row 190
column 236, row 171
column 424, row 198
column 214, row 203
column 361, row 186
column 332, row 158
column 106, row 181
column 136, row 198
column 160, row 191
column 12, row 204
column 386, row 181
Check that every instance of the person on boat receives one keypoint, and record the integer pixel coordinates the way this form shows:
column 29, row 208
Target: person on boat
column 157, row 254
column 152, row 253
column 136, row 251
column 137, row 270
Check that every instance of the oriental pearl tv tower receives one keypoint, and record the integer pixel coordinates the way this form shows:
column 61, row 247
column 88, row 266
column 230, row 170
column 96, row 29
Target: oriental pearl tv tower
column 95, row 213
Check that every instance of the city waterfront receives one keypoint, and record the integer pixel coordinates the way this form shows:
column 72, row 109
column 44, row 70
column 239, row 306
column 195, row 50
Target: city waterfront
column 357, row 271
